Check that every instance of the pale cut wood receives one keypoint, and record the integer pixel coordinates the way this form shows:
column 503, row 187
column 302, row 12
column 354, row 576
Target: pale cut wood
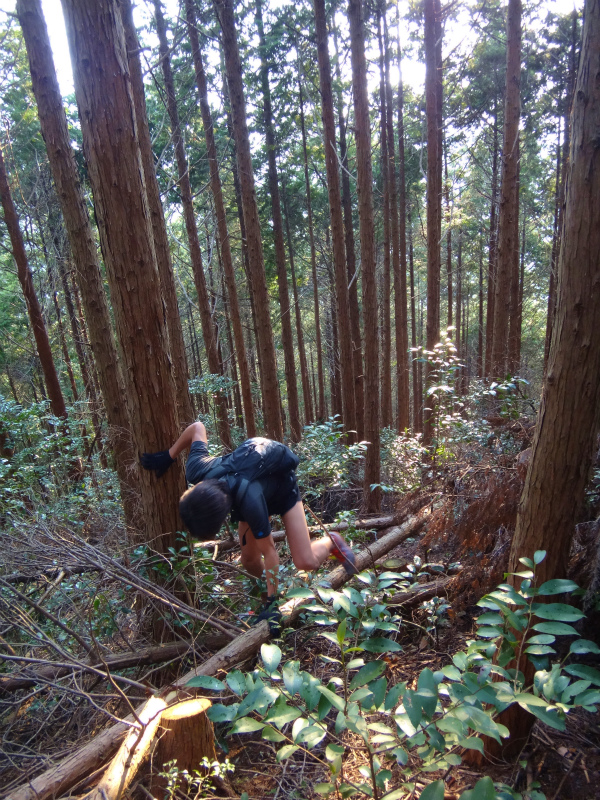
column 185, row 736
column 132, row 752
column 58, row 779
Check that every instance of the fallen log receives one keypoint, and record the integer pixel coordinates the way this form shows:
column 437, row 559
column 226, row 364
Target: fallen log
column 132, row 752
column 140, row 658
column 61, row 777
column 418, row 593
column 50, row 574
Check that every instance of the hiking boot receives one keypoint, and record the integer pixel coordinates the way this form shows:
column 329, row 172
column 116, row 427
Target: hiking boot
column 343, row 553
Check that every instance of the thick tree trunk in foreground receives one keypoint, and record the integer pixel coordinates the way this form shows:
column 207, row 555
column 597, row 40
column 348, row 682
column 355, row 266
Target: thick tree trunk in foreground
column 256, row 264
column 434, row 204
column 209, row 333
column 337, row 225
column 217, row 193
column 110, row 136
column 569, row 416
column 38, row 326
column 367, row 250
column 508, row 224
column 159, row 228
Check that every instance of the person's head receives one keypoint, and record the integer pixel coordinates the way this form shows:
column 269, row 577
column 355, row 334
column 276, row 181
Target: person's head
column 204, row 507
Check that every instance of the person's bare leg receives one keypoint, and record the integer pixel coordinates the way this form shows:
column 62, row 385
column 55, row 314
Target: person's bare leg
column 306, row 555
column 259, row 557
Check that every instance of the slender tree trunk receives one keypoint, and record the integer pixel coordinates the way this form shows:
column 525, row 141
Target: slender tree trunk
column 461, row 341
column 364, row 172
column 256, row 264
column 416, row 373
column 434, row 204
column 320, row 405
column 159, row 228
column 561, row 171
column 568, row 421
column 65, row 173
column 355, row 314
column 217, row 193
column 208, row 329
column 280, row 260
column 36, row 319
column 399, row 264
column 308, row 406
column 386, row 321
column 448, row 241
column 508, row 223
column 480, row 331
column 110, row 136
column 492, row 255
column 337, row 225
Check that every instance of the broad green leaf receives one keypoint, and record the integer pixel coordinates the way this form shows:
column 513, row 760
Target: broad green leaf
column 311, row 735
column 301, row 591
column 559, row 612
column 324, row 788
column 379, row 644
column 539, row 650
column 367, row 673
column 584, row 646
column 281, row 713
column 378, row 688
column 472, row 743
column 542, row 638
column 413, row 707
column 539, row 556
column 355, row 663
column 403, row 721
column 207, row 682
column 435, row 791
column 574, row 688
column 271, row 656
column 427, row 692
column 236, row 682
column 332, row 751
column 247, row 725
column 550, row 717
column 394, row 695
column 489, row 632
column 334, row 699
column 585, row 672
column 219, row 713
column 483, row 790
column 526, row 700
column 555, row 628
column 292, row 677
column 299, row 726
column 557, row 586
column 341, row 631
column 286, row 751
column 450, row 724
column 490, row 618
column 527, row 562
column 395, row 794
column 269, row 734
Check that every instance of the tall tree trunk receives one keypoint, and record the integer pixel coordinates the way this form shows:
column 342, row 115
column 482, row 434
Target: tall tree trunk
column 36, row 319
column 308, row 406
column 364, row 172
column 561, row 171
column 337, row 225
column 256, row 264
column 220, row 213
column 416, row 372
column 399, row 262
column 434, row 202
column 110, row 136
column 159, row 228
column 492, row 254
column 569, row 416
column 480, row 330
column 320, row 405
column 508, row 223
column 448, row 240
column 386, row 320
column 355, row 315
column 280, row 260
column 65, row 173
column 209, row 333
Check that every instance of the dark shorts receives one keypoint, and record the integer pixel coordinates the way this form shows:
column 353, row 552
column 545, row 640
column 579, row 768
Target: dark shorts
column 286, row 494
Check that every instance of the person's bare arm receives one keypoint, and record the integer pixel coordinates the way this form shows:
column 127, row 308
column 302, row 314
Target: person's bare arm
column 196, row 432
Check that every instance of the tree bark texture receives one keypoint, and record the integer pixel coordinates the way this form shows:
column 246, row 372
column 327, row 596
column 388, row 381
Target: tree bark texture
column 220, row 213
column 337, row 224
column 209, row 333
column 387, row 148
column 364, row 171
column 256, row 264
column 508, row 221
column 159, row 228
column 110, row 135
column 492, row 254
column 34, row 310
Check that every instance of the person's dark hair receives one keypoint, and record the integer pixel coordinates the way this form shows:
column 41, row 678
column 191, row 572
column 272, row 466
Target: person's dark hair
column 204, row 507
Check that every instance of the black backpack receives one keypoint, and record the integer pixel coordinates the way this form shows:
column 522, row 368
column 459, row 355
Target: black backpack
column 254, row 459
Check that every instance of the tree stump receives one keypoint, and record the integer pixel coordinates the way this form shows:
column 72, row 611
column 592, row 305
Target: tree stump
column 185, row 736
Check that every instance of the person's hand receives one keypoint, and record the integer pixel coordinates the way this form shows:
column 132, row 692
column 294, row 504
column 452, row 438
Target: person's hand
column 159, row 463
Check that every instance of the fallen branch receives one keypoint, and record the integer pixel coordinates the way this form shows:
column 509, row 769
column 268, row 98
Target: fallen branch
column 132, row 752
column 140, row 658
column 82, row 762
column 418, row 593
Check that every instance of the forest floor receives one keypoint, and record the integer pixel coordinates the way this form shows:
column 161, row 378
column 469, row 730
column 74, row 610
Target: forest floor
column 473, row 504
